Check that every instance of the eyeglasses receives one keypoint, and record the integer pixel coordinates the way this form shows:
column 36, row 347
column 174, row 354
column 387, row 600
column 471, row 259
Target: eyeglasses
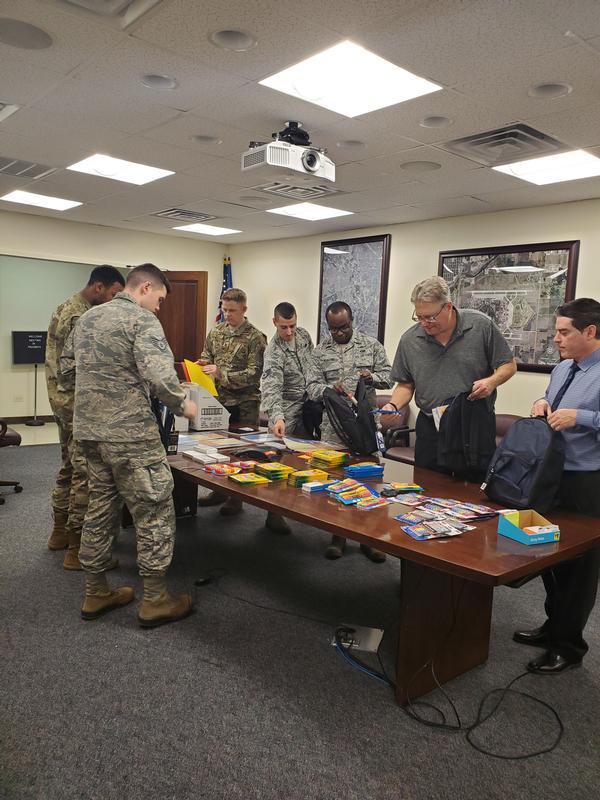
column 418, row 318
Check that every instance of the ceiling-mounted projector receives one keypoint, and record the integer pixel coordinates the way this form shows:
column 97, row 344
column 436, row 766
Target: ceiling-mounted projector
column 292, row 151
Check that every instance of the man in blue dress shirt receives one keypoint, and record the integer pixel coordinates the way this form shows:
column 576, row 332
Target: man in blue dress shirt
column 572, row 406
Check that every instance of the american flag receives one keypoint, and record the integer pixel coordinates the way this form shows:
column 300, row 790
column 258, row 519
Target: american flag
column 227, row 284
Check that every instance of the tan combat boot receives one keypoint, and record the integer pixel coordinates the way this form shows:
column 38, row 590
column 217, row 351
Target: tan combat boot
column 71, row 561
column 58, row 538
column 159, row 607
column 99, row 598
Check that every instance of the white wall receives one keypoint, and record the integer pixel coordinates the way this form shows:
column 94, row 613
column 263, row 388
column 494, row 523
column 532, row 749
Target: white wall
column 30, row 291
column 288, row 269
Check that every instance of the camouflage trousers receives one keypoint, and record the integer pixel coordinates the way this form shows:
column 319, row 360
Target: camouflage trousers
column 246, row 414
column 70, row 495
column 138, row 474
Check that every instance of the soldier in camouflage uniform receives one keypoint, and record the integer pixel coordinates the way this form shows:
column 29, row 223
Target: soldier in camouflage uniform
column 283, row 382
column 121, row 359
column 233, row 356
column 69, row 498
column 339, row 362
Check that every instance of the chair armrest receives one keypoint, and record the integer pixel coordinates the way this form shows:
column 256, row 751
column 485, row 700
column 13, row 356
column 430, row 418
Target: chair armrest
column 398, row 437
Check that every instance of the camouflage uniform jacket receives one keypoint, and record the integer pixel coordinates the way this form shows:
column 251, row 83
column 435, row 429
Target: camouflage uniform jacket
column 62, row 323
column 342, row 363
column 283, row 382
column 120, row 357
column 239, row 356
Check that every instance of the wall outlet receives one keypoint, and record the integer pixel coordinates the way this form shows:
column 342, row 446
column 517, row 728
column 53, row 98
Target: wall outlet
column 18, row 398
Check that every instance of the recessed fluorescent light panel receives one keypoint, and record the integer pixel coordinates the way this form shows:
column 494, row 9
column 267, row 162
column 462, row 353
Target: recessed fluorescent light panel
column 310, row 211
column 210, row 230
column 42, row 200
column 350, row 80
column 554, row 169
column 333, row 252
column 118, row 170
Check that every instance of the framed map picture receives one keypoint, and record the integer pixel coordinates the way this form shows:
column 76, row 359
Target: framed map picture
column 356, row 272
column 519, row 287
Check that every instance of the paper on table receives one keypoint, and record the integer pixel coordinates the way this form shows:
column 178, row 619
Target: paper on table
column 195, row 374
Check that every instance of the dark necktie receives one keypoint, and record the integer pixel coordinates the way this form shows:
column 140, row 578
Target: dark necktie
column 565, row 386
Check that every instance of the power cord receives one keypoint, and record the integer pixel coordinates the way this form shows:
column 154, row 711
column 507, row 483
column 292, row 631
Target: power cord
column 343, row 643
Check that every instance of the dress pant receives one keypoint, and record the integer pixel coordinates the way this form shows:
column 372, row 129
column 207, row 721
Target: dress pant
column 571, row 587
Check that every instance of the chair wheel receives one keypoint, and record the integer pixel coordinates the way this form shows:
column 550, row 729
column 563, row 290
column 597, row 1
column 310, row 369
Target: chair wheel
column 18, row 489
column 2, row 501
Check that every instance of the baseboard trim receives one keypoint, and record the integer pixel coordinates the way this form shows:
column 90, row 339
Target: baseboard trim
column 23, row 420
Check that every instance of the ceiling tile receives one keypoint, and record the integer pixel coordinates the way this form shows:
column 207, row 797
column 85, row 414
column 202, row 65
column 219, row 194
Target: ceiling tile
column 185, row 25
column 74, row 39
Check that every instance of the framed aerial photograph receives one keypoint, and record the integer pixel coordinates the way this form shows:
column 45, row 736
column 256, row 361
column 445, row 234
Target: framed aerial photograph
column 519, row 287
column 356, row 271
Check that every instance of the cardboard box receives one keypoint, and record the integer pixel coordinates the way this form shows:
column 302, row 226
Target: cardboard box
column 211, row 414
column 527, row 527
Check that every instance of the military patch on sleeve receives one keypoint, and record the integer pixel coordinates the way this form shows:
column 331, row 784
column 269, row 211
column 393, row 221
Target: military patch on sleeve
column 160, row 342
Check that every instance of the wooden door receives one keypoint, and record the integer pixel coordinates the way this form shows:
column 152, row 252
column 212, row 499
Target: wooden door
column 183, row 315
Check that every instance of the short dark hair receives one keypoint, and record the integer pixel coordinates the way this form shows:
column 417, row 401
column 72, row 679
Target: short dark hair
column 148, row 272
column 336, row 307
column 106, row 275
column 584, row 311
column 284, row 310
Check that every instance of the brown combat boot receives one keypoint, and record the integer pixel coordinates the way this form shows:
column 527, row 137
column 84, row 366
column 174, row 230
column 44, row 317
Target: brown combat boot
column 159, row 607
column 58, row 538
column 99, row 599
column 232, row 507
column 71, row 561
column 212, row 499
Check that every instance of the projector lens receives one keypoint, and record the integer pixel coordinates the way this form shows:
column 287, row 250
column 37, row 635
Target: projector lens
column 311, row 160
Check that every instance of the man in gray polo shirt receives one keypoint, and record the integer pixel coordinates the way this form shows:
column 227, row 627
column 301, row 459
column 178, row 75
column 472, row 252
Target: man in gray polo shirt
column 447, row 352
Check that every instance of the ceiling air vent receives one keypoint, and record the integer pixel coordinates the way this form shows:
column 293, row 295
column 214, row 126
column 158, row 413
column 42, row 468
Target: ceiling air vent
column 505, row 145
column 118, row 13
column 184, row 215
column 308, row 192
column 24, row 169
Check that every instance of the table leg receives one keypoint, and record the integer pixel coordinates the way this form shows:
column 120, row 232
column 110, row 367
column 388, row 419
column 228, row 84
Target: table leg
column 444, row 621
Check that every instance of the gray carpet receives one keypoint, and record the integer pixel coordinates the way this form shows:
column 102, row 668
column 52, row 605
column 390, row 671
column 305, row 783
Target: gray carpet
column 242, row 702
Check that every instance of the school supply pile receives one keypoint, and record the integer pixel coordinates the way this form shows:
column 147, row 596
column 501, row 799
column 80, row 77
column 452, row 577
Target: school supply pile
column 300, row 477
column 328, row 459
column 273, row 470
column 439, row 517
column 364, row 469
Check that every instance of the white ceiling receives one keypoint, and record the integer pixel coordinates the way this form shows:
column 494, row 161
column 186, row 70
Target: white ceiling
column 84, row 95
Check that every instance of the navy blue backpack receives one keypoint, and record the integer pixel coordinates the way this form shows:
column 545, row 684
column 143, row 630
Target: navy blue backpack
column 526, row 469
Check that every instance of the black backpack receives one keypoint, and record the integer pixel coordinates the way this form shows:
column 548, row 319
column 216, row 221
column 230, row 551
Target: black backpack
column 353, row 423
column 466, row 438
column 526, row 469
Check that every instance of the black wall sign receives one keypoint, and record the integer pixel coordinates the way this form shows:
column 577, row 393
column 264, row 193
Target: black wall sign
column 29, row 347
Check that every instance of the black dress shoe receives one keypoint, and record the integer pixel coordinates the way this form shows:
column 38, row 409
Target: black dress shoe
column 376, row 556
column 534, row 638
column 551, row 663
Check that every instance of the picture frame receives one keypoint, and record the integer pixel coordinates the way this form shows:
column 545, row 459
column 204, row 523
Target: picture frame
column 355, row 271
column 519, row 287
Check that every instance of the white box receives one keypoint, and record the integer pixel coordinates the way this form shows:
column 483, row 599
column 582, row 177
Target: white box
column 211, row 415
column 182, row 424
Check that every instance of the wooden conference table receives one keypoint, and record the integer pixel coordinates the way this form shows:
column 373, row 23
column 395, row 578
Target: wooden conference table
column 447, row 584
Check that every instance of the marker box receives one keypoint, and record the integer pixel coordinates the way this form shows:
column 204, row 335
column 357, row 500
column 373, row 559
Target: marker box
column 527, row 527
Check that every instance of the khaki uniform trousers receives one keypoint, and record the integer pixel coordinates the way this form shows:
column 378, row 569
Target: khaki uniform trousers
column 138, row 474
